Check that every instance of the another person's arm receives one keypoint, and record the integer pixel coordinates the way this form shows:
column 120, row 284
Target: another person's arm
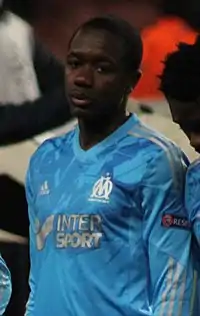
column 5, row 286
column 18, row 123
column 167, row 236
column 192, row 197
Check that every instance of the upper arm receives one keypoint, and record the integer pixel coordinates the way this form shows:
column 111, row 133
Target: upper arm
column 163, row 195
column 167, row 235
column 192, row 201
column 18, row 123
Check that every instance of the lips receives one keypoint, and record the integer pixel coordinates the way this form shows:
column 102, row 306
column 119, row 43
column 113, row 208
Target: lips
column 80, row 99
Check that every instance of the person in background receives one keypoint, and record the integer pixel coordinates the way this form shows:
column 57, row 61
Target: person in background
column 123, row 208
column 158, row 41
column 32, row 94
column 180, row 83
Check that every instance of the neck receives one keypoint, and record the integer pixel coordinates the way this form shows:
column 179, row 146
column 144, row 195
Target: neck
column 93, row 132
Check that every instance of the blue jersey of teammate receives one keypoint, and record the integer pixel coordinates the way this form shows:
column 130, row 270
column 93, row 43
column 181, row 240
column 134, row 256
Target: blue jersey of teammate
column 192, row 203
column 5, row 286
column 108, row 232
column 192, row 197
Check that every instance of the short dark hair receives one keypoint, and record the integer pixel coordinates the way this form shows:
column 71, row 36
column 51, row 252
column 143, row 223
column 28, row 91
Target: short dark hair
column 180, row 78
column 130, row 37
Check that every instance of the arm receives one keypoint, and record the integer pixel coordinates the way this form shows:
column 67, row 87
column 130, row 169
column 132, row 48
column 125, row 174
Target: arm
column 192, row 200
column 33, row 250
column 167, row 236
column 5, row 286
column 18, row 123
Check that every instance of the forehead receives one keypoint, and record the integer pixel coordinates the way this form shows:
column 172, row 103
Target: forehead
column 98, row 42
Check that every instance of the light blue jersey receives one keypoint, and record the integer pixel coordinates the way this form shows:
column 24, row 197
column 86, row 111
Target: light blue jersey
column 192, row 202
column 5, row 286
column 192, row 197
column 108, row 231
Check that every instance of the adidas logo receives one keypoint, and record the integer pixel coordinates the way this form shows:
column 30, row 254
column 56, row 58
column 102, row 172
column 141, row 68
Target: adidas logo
column 44, row 189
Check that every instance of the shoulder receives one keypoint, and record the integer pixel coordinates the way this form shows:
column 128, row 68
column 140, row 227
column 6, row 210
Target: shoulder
column 164, row 159
column 192, row 186
column 194, row 167
column 193, row 173
column 50, row 150
column 157, row 145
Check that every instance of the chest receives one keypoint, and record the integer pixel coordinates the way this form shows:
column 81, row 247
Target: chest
column 100, row 187
column 90, row 201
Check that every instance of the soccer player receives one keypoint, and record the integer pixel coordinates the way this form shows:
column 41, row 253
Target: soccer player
column 108, row 231
column 180, row 83
column 5, row 286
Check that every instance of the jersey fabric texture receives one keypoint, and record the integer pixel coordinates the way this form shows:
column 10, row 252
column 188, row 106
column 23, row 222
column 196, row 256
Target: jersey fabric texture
column 108, row 231
column 5, row 286
column 192, row 202
column 192, row 196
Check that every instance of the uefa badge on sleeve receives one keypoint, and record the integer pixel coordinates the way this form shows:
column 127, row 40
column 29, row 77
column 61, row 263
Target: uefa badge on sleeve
column 172, row 221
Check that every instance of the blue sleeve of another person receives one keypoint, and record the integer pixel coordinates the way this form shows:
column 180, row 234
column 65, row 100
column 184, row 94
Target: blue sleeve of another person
column 5, row 286
column 167, row 235
column 192, row 197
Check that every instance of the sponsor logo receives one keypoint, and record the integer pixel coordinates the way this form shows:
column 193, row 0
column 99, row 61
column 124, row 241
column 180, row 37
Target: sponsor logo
column 70, row 231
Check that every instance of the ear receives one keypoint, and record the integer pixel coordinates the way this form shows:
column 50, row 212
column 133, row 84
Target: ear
column 134, row 79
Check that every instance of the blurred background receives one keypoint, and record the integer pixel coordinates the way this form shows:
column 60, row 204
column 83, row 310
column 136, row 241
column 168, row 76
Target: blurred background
column 42, row 29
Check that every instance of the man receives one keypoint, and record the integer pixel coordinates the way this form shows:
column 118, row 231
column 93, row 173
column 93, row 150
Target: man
column 147, row 90
column 107, row 225
column 181, row 86
column 5, row 286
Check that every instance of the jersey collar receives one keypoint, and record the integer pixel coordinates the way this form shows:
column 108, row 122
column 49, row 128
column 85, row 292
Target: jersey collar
column 93, row 153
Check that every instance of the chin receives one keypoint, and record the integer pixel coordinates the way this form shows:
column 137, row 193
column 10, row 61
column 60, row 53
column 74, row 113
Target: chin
column 80, row 113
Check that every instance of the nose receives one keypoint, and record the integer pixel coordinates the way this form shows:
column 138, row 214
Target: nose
column 85, row 77
column 195, row 140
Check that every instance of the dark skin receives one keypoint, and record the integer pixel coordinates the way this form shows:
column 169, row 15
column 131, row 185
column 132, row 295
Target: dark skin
column 187, row 116
column 98, row 84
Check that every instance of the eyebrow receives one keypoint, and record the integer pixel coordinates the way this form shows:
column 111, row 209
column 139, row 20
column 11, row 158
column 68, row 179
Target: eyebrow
column 102, row 58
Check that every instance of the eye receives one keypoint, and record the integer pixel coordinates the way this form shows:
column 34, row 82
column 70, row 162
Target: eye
column 73, row 63
column 104, row 68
